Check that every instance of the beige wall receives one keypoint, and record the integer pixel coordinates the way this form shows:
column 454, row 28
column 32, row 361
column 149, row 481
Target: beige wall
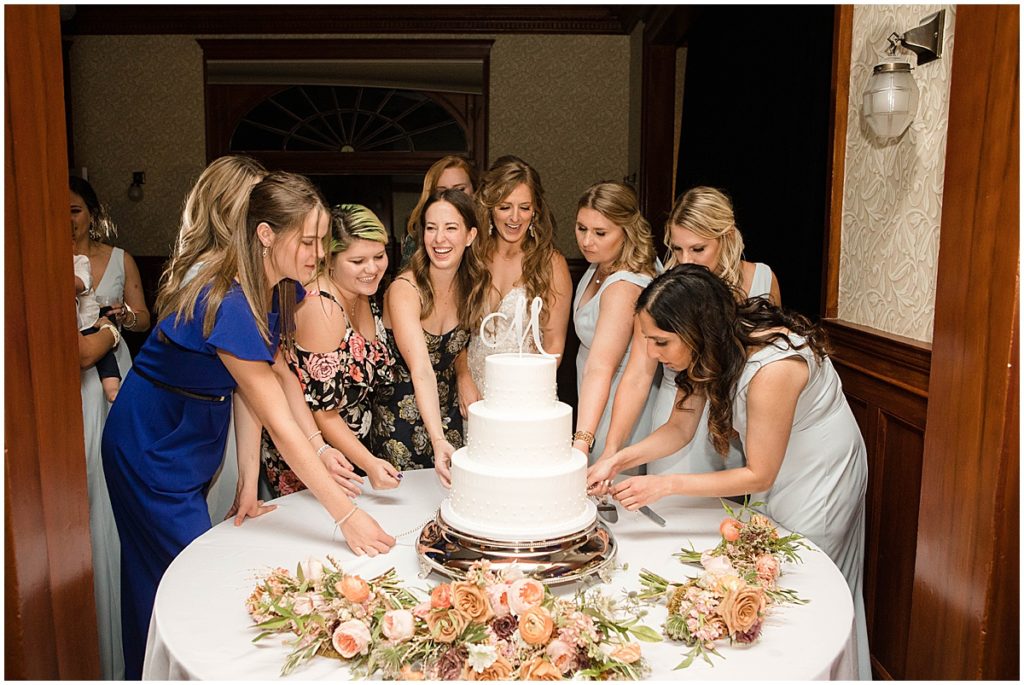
column 892, row 199
column 560, row 102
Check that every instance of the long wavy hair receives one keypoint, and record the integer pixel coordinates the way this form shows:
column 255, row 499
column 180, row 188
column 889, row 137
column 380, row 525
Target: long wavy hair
column 101, row 226
column 214, row 210
column 618, row 203
column 430, row 185
column 708, row 213
column 472, row 281
column 498, row 183
column 719, row 327
column 282, row 201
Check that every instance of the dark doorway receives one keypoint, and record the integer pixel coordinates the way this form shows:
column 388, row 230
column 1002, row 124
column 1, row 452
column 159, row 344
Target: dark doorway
column 755, row 123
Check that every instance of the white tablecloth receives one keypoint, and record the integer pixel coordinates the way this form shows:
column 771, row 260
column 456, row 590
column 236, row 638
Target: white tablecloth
column 200, row 629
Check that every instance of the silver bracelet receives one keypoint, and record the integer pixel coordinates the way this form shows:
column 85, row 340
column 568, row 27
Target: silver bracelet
column 323, row 448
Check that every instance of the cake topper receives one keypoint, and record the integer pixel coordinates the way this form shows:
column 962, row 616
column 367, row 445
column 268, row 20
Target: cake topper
column 516, row 327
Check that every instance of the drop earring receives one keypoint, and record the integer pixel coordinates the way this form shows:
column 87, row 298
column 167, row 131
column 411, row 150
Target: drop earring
column 264, row 251
column 491, row 230
column 532, row 230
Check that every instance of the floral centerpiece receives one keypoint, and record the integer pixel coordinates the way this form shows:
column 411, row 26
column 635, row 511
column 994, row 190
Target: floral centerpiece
column 735, row 590
column 490, row 626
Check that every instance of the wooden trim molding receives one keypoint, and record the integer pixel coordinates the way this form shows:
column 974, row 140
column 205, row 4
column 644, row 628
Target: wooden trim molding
column 329, row 48
column 842, row 45
column 893, row 359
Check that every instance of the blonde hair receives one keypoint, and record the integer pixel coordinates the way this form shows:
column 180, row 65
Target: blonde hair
column 214, row 210
column 351, row 222
column 498, row 183
column 473, row 280
column 707, row 212
column 618, row 203
column 430, row 185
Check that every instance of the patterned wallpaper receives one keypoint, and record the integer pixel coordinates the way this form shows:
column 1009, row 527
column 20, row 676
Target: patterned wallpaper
column 560, row 102
column 892, row 199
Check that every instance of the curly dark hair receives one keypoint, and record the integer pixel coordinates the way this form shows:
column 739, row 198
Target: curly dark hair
column 713, row 319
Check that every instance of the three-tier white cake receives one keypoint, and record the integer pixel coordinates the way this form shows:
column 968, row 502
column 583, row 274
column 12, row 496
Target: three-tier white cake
column 518, row 478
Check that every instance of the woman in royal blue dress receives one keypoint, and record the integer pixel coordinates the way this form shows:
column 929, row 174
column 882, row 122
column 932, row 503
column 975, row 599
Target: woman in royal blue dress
column 165, row 434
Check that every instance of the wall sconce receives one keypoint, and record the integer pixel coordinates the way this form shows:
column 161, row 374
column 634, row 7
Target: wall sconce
column 890, row 98
column 135, row 192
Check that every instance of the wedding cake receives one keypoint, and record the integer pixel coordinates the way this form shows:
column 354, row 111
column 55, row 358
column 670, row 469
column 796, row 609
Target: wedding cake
column 518, row 478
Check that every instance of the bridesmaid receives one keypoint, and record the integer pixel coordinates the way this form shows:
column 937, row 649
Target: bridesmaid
column 701, row 229
column 616, row 239
column 451, row 172
column 166, row 432
column 341, row 353
column 764, row 372
column 431, row 308
column 518, row 251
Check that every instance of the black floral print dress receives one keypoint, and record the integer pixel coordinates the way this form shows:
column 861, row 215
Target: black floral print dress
column 344, row 381
column 399, row 433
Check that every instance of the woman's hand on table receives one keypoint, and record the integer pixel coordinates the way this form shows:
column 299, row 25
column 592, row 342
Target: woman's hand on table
column 341, row 471
column 443, row 451
column 246, row 506
column 382, row 474
column 640, row 491
column 600, row 474
column 364, row 535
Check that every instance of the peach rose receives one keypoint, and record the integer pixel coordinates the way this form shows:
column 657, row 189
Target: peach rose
column 742, row 608
column 627, row 654
column 408, row 674
column 718, row 565
column 498, row 596
column 440, row 596
column 421, row 610
column 562, row 655
column 353, row 588
column 525, row 594
column 767, row 568
column 445, row 624
column 351, row 638
column 303, row 605
column 397, row 625
column 730, row 529
column 501, row 669
column 535, row 625
column 469, row 599
column 539, row 669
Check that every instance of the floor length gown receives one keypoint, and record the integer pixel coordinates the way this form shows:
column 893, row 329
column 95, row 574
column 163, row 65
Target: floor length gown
column 163, row 442
column 585, row 320
column 106, row 548
column 819, row 490
column 699, row 456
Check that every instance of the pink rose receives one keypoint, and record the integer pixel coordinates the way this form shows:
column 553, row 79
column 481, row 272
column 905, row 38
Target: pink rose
column 355, row 373
column 627, row 654
column 525, row 594
column 562, row 655
column 441, row 596
column 351, row 638
column 303, row 605
column 397, row 625
column 498, row 596
column 357, row 346
column 767, row 568
column 323, row 367
column 717, row 565
column 312, row 569
column 421, row 610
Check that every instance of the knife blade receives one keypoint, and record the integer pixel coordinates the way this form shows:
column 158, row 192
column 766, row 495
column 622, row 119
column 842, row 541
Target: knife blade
column 649, row 513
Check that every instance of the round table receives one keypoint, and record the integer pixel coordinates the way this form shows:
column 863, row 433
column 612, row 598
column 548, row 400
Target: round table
column 200, row 629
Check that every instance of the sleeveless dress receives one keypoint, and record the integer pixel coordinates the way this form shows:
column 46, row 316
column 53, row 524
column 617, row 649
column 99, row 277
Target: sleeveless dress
column 585, row 322
column 163, row 441
column 398, row 427
column 819, row 490
column 699, row 455
column 343, row 380
column 106, row 548
column 501, row 330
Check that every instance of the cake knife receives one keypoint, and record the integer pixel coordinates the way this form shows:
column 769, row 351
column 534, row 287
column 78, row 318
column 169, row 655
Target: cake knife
column 649, row 513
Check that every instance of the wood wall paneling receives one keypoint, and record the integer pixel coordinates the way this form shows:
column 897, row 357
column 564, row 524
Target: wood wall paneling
column 49, row 607
column 965, row 602
column 838, row 115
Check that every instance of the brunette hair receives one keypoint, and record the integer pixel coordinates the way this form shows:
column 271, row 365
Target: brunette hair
column 711, row 318
column 708, row 213
column 430, row 185
column 101, row 226
column 618, row 203
column 473, row 281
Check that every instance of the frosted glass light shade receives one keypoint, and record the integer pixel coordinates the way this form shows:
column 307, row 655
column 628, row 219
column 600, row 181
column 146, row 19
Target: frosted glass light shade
column 890, row 99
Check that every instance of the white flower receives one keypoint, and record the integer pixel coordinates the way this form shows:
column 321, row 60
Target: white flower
column 312, row 569
column 511, row 573
column 717, row 565
column 481, row 657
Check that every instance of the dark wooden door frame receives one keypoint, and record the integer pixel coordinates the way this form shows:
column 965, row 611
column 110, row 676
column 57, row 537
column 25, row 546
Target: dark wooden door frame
column 49, row 612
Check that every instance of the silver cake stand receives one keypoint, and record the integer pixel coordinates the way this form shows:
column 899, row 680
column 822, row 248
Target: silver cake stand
column 556, row 561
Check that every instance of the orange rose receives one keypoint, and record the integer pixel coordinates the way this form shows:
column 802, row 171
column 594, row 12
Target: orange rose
column 445, row 624
column 742, row 608
column 440, row 596
column 627, row 654
column 539, row 669
column 408, row 674
column 353, row 588
column 524, row 594
column 471, row 602
column 730, row 529
column 501, row 669
column 536, row 625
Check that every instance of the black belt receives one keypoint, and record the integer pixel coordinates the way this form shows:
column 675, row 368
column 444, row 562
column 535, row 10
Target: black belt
column 180, row 391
